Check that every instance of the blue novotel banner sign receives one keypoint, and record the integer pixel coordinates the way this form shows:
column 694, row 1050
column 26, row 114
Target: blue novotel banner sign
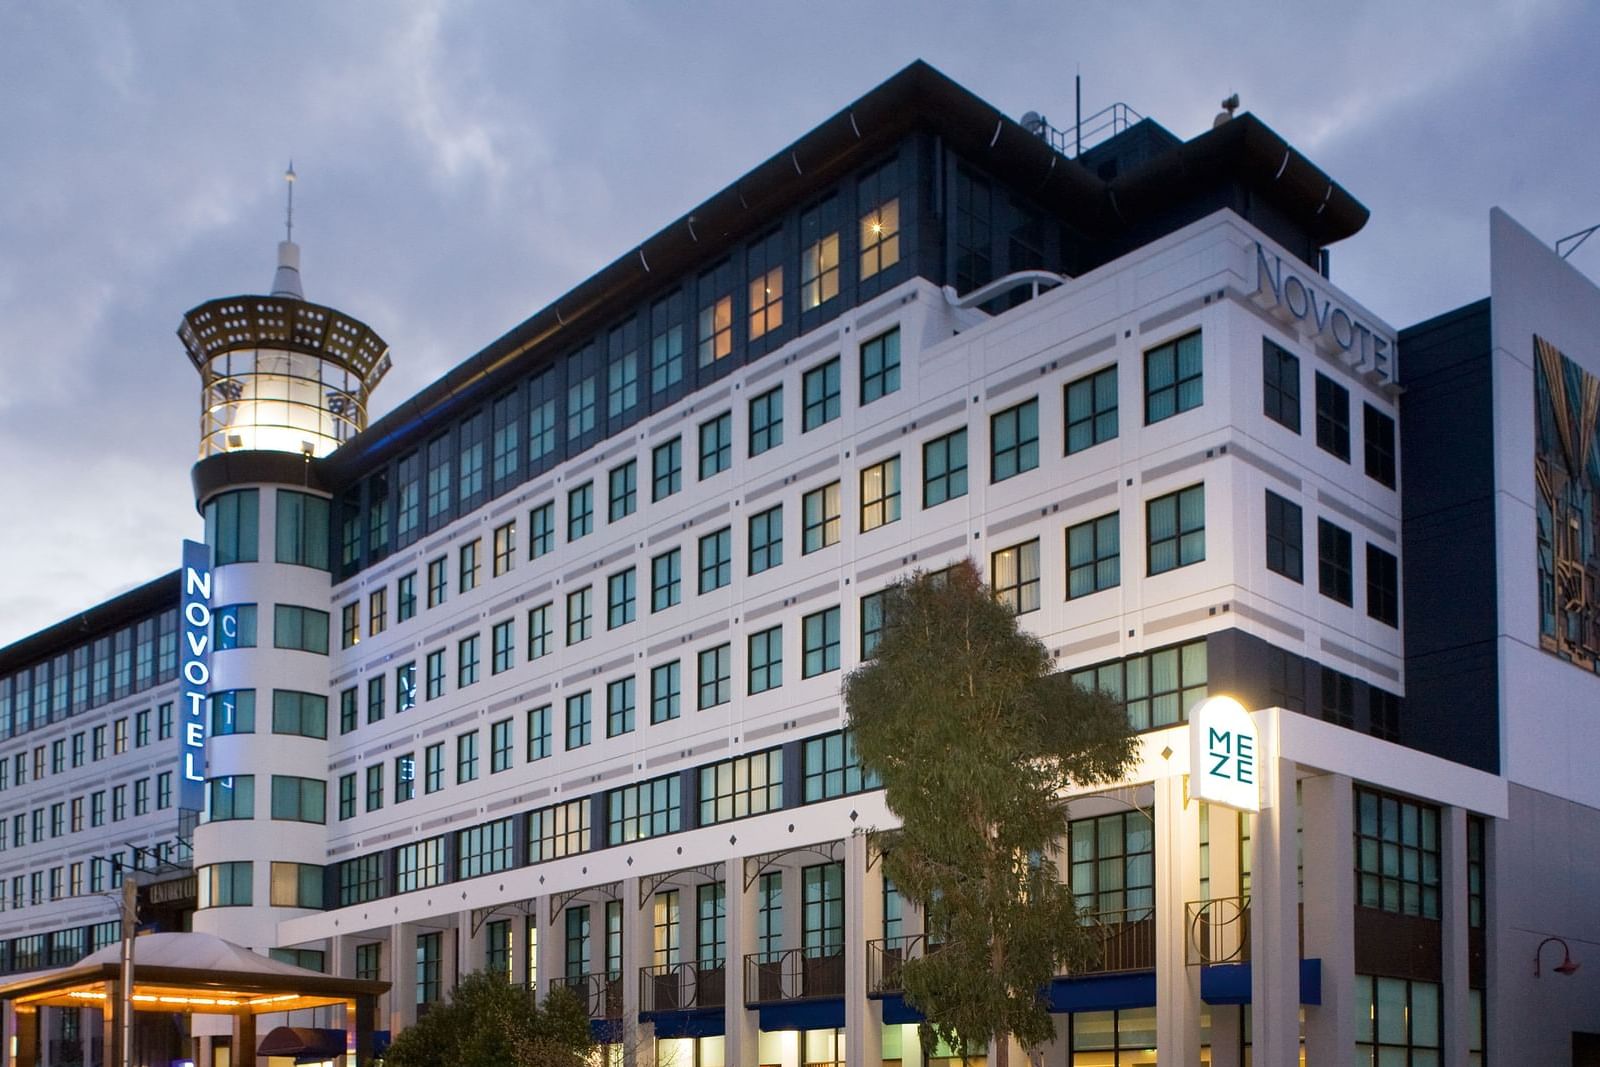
column 194, row 673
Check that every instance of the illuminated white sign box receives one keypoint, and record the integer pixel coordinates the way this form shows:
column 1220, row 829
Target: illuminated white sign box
column 1224, row 755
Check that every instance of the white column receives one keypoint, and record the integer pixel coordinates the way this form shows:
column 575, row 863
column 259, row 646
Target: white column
column 638, row 950
column 1330, row 903
column 1223, row 838
column 465, row 953
column 1177, row 859
column 552, row 944
column 519, row 947
column 1455, row 997
column 863, row 920
column 1274, row 908
column 740, row 1045
column 402, row 976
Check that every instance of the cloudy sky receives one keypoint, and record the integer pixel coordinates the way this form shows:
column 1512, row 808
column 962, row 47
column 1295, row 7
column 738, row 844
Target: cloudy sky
column 463, row 163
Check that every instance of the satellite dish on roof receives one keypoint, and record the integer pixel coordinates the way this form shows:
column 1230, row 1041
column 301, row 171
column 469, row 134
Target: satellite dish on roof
column 1229, row 106
column 1034, row 123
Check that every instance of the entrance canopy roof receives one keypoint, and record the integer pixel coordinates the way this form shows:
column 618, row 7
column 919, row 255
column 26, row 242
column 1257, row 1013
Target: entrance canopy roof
column 188, row 973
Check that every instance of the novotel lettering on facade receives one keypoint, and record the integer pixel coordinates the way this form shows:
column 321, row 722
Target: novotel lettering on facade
column 194, row 673
column 1224, row 755
column 1332, row 327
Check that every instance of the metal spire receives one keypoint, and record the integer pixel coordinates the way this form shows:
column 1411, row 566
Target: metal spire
column 286, row 282
column 288, row 178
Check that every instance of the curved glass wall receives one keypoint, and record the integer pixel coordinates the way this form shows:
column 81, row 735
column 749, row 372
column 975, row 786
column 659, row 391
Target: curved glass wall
column 278, row 401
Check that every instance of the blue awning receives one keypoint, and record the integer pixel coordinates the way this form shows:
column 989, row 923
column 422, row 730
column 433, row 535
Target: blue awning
column 1103, row 992
column 1229, row 983
column 821, row 1014
column 704, row 1022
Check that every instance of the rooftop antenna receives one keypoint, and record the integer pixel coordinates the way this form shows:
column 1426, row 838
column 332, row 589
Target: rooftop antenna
column 286, row 280
column 288, row 178
column 1229, row 106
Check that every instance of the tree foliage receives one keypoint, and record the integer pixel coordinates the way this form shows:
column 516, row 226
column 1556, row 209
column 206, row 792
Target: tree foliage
column 488, row 1022
column 975, row 738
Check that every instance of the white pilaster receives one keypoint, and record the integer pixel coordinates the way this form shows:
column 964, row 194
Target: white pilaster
column 1330, row 903
column 1177, row 875
column 740, row 1044
column 1274, row 908
column 863, row 921
column 1455, row 997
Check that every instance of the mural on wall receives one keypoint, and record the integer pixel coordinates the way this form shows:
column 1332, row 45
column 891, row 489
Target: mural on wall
column 1567, row 471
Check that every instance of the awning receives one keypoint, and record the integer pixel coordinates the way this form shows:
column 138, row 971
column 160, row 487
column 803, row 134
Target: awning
column 305, row 1043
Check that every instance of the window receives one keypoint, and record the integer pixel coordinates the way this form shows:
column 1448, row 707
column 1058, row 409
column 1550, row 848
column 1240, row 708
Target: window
column 620, row 598
column 296, row 885
column 1091, row 407
column 467, row 757
column 766, row 660
column 430, row 985
column 622, row 370
column 438, row 582
column 1172, row 378
column 819, row 254
column 765, row 263
column 507, row 441
column 666, row 343
column 233, row 626
column 298, row 799
column 766, row 539
column 619, row 707
column 581, row 401
column 231, row 798
column 233, row 711
column 1285, row 555
column 1378, row 445
column 224, row 885
column 820, row 509
column 505, row 641
column 820, row 639
column 469, row 485
column 539, row 627
column 1014, row 441
column 716, row 445
column 666, row 469
column 542, row 529
column 880, row 366
column 1094, row 556
column 1383, row 586
column 375, row 787
column 1015, row 574
column 745, row 785
column 1334, row 563
column 666, row 586
column 766, row 421
column 871, row 624
column 820, row 390
column 433, row 768
column 299, row 714
column 505, row 548
column 944, row 468
column 405, row 778
column 375, row 694
column 716, row 670
column 539, row 733
column 350, row 624
column 303, row 629
column 716, row 559
column 1156, row 688
column 405, row 595
column 1476, row 871
column 648, row 809
column 418, row 866
column 1176, row 528
column 716, row 315
column 831, row 768
column 1397, row 854
column 664, row 690
column 1280, row 385
column 1333, row 417
column 377, row 612
column 559, row 830
column 1397, row 1021
column 1383, row 714
column 579, row 717
column 1112, row 860
column 302, row 529
column 232, row 526
column 880, row 227
column 466, row 661
column 880, row 494
column 542, row 424
column 483, row 849
column 435, row 682
column 578, row 615
column 624, row 490
column 580, row 511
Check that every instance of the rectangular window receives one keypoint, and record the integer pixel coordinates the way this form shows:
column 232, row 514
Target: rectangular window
column 716, row 445
column 435, row 682
column 506, row 443
column 743, row 786
column 716, row 315
column 580, row 511
column 1014, row 572
column 504, row 639
column 880, row 366
column 559, row 830
column 623, row 486
column 375, row 787
column 664, row 692
column 299, row 799
column 469, row 485
column 766, row 539
column 666, row 584
column 1335, row 563
column 819, row 254
column 820, row 643
column 944, row 468
column 301, row 629
column 223, row 885
column 484, row 849
column 1333, row 418
column 231, row 798
column 666, row 469
column 377, row 611
column 466, row 757
column 1285, row 551
column 582, row 399
column 820, row 389
column 539, row 628
column 232, row 526
column 433, row 767
column 1156, row 688
column 1094, row 555
column 820, row 509
column 542, row 529
column 716, row 560
column 1176, row 529
column 716, row 672
column 1397, row 854
column 543, row 427
column 1091, row 407
column 579, row 718
column 765, row 271
column 1280, row 385
column 419, row 865
column 350, row 624
column 622, row 370
column 766, row 660
column 1383, row 714
column 578, row 615
column 375, row 701
column 880, row 494
column 1014, row 441
column 666, row 343
column 299, row 714
column 620, row 598
column 539, row 731
column 1383, row 586
column 1112, row 866
column 438, row 581
column 302, row 529
column 1172, row 378
column 1398, row 1021
column 766, row 421
column 831, row 768
column 233, row 711
column 405, row 595
column 505, row 548
column 871, row 624
column 648, row 809
column 405, row 778
column 466, row 661
column 619, row 707
column 880, row 224
column 1378, row 445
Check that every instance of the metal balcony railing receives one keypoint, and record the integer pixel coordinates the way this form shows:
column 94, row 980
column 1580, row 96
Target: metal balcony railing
column 1217, row 931
column 601, row 993
column 683, row 986
column 1127, row 940
column 886, row 960
column 794, row 974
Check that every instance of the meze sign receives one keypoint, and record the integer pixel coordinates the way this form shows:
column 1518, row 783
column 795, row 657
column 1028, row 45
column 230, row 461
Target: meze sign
column 1223, row 755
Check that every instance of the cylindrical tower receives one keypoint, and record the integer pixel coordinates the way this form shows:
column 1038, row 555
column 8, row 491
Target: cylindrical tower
column 283, row 383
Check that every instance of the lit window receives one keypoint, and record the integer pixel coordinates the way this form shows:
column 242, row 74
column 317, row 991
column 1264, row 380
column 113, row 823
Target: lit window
column 1015, row 574
column 716, row 315
column 821, row 513
column 819, row 255
column 880, row 237
column 880, row 494
column 766, row 295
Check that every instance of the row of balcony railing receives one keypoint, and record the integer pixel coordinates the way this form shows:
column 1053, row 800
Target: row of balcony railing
column 1216, row 931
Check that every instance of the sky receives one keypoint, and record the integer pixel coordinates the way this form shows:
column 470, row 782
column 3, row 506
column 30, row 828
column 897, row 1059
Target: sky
column 462, row 164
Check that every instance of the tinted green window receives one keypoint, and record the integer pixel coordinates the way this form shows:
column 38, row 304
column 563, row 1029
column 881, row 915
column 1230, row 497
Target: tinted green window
column 302, row 529
column 233, row 527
